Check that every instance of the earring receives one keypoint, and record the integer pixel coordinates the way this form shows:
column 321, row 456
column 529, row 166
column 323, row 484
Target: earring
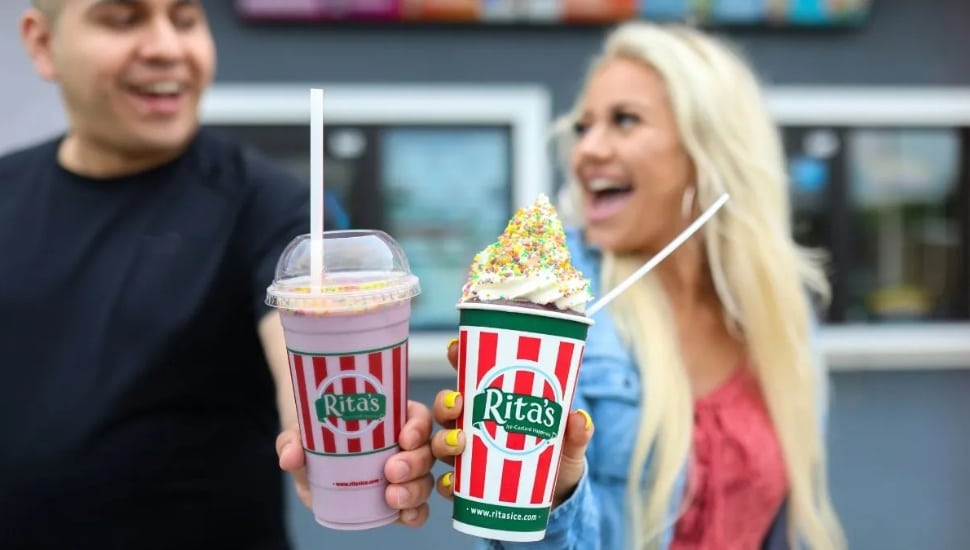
column 687, row 203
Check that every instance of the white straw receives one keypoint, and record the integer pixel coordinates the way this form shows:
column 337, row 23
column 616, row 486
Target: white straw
column 316, row 187
column 659, row 257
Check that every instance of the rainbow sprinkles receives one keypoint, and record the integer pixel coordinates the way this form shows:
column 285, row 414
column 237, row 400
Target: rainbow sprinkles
column 529, row 263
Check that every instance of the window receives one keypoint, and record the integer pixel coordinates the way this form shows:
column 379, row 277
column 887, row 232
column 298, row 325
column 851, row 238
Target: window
column 891, row 206
column 440, row 170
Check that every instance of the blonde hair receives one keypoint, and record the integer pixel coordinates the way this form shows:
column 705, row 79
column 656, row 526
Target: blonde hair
column 760, row 274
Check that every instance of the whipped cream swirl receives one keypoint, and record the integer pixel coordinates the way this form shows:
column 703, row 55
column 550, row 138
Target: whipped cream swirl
column 529, row 263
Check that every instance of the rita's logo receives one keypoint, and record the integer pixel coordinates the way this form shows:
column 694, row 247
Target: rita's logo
column 529, row 421
column 351, row 403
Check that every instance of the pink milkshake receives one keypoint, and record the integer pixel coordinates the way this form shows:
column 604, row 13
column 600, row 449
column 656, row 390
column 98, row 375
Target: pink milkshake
column 347, row 340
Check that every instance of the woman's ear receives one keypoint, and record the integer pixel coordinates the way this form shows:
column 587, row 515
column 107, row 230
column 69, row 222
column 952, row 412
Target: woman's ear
column 36, row 32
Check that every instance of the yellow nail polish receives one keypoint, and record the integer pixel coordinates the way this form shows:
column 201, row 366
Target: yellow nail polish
column 450, row 343
column 446, row 480
column 589, row 419
column 450, row 399
column 451, row 438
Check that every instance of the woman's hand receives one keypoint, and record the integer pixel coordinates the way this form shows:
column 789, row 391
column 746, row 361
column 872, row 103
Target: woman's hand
column 450, row 441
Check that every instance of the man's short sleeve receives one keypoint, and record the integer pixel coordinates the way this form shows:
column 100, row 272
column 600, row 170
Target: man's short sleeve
column 277, row 210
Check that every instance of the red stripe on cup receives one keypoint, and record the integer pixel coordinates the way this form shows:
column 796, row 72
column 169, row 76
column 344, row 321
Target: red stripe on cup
column 400, row 371
column 490, row 426
column 479, row 465
column 511, row 471
column 319, row 371
column 375, row 364
column 487, row 344
column 319, row 375
column 528, row 348
column 403, row 403
column 579, row 362
column 563, row 361
column 301, row 398
column 487, row 351
column 462, row 346
column 542, row 474
column 522, row 386
column 348, row 386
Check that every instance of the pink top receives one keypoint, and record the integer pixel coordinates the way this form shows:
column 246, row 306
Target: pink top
column 737, row 478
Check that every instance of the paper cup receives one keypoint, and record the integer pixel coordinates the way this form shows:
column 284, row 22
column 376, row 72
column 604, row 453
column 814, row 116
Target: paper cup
column 347, row 336
column 517, row 372
column 350, row 387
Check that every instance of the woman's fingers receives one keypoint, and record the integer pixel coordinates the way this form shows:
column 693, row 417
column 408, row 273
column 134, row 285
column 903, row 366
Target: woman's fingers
column 453, row 353
column 447, row 408
column 446, row 485
column 447, row 444
column 579, row 432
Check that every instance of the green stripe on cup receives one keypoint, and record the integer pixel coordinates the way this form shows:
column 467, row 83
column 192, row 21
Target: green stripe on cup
column 501, row 518
column 524, row 321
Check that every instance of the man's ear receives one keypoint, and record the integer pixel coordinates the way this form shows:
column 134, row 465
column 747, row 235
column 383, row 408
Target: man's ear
column 36, row 32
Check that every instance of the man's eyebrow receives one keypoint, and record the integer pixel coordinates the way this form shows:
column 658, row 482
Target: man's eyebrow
column 102, row 3
column 99, row 3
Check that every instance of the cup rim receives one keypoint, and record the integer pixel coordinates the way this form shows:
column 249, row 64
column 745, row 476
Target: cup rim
column 531, row 311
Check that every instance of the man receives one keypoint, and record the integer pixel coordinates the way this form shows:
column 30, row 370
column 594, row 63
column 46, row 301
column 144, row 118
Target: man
column 138, row 364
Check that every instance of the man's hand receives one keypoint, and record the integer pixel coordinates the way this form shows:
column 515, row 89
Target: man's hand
column 408, row 472
column 290, row 450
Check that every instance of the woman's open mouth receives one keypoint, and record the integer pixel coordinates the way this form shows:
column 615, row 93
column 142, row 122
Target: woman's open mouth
column 605, row 198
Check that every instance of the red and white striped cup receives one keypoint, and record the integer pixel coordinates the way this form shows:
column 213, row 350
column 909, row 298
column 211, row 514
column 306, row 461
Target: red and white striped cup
column 350, row 386
column 347, row 338
column 517, row 372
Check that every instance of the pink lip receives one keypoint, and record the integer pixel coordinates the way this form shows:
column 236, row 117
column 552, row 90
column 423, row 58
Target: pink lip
column 601, row 208
column 158, row 106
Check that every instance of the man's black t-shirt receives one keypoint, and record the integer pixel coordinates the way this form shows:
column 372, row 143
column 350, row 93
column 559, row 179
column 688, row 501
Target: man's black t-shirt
column 136, row 406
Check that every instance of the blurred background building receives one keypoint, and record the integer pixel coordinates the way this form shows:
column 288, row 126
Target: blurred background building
column 438, row 116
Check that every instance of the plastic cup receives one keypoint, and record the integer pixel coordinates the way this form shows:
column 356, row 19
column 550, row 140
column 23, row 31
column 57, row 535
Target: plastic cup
column 517, row 370
column 347, row 340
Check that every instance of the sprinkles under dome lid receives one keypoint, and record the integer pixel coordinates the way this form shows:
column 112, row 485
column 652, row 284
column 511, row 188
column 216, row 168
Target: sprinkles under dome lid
column 363, row 270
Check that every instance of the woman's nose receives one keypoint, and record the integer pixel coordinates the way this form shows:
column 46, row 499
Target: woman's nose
column 594, row 144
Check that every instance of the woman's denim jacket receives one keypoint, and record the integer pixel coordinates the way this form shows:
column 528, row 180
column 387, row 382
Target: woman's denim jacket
column 593, row 517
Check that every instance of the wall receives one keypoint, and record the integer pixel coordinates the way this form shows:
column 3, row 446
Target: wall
column 899, row 443
column 29, row 107
column 904, row 42
column 896, row 450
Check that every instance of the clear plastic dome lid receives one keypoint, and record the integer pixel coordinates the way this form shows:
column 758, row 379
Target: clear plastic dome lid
column 362, row 270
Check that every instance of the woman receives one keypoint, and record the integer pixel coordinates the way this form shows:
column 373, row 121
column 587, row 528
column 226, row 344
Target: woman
column 703, row 375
